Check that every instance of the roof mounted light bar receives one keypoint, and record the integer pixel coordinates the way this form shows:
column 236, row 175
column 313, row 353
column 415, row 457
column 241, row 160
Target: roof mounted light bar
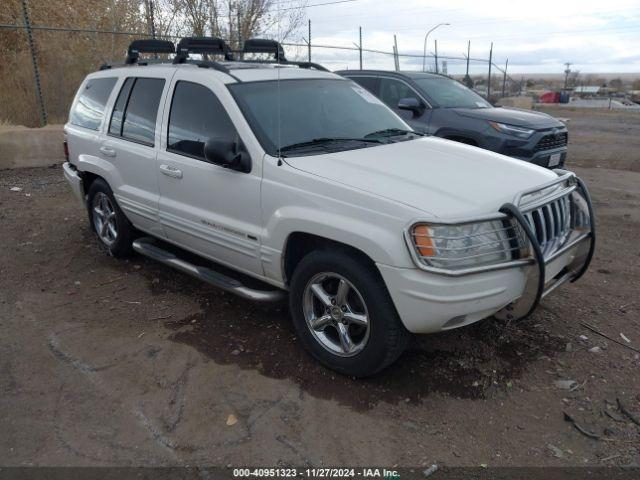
column 202, row 45
column 147, row 46
column 261, row 45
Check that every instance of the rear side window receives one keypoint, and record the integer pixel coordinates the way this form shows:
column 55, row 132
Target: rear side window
column 88, row 111
column 134, row 115
column 115, row 128
column 367, row 82
column 196, row 116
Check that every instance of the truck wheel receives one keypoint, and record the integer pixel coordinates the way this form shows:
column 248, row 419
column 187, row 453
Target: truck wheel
column 113, row 229
column 344, row 315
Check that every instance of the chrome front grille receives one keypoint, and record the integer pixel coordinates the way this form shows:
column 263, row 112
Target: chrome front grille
column 551, row 223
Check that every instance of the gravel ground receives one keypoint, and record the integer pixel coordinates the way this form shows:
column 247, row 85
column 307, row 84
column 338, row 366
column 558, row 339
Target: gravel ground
column 112, row 362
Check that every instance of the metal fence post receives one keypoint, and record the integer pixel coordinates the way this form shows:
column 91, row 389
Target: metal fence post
column 504, row 78
column 490, row 62
column 436, row 54
column 309, row 42
column 34, row 60
column 396, row 54
column 360, row 47
column 468, row 55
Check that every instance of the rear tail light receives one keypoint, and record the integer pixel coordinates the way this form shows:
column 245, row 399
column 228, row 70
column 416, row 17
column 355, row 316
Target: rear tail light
column 66, row 150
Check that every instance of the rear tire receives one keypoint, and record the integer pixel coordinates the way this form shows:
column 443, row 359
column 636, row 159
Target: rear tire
column 113, row 229
column 344, row 314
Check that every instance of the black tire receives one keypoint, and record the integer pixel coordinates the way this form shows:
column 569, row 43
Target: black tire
column 121, row 246
column 387, row 336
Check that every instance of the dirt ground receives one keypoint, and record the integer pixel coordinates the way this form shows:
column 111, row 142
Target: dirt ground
column 112, row 362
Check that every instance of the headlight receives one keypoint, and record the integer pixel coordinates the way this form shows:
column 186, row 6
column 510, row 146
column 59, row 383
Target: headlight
column 519, row 132
column 456, row 247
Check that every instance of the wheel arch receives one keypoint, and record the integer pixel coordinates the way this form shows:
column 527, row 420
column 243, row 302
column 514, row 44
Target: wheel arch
column 300, row 243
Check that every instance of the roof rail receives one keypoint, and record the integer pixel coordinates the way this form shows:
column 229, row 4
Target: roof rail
column 261, row 45
column 147, row 46
column 206, row 45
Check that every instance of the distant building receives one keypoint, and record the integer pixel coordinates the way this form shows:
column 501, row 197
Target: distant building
column 586, row 91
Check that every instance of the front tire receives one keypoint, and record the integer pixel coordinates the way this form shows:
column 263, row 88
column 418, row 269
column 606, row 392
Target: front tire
column 114, row 231
column 344, row 315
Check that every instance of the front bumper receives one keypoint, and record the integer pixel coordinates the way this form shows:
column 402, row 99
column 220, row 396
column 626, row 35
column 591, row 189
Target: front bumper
column 430, row 302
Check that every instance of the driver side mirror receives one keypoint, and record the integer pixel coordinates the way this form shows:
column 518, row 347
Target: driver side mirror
column 227, row 154
column 413, row 105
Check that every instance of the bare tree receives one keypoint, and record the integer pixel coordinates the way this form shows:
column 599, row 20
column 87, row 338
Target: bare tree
column 233, row 20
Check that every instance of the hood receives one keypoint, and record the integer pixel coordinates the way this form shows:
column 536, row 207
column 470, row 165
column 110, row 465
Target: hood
column 512, row 116
column 446, row 179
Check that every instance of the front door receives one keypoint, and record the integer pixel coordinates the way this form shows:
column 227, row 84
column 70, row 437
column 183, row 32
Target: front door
column 204, row 207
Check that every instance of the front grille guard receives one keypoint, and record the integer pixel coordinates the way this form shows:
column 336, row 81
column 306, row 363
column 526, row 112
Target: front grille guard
column 536, row 275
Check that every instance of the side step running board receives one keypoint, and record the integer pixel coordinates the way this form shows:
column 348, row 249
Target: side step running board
column 145, row 246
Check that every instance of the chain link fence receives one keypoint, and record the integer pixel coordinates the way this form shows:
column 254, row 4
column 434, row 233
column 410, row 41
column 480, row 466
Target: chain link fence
column 43, row 66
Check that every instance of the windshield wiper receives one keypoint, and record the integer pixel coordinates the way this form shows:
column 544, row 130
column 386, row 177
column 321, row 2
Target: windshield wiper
column 392, row 132
column 319, row 142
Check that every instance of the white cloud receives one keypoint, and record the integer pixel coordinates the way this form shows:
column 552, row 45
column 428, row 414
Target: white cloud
column 536, row 36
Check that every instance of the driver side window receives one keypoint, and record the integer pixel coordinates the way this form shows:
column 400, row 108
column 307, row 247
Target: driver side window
column 196, row 116
column 392, row 91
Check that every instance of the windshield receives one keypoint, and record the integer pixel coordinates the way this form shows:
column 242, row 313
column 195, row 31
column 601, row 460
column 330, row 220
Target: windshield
column 448, row 93
column 315, row 114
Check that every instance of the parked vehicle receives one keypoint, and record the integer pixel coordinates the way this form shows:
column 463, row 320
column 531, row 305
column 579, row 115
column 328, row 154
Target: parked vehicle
column 446, row 108
column 306, row 183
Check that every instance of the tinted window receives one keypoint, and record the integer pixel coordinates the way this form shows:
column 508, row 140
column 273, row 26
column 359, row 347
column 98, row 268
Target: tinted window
column 196, row 116
column 367, row 82
column 392, row 91
column 142, row 110
column 448, row 93
column 115, row 127
column 89, row 109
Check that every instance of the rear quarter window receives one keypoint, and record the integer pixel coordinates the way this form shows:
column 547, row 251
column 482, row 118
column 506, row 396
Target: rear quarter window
column 88, row 111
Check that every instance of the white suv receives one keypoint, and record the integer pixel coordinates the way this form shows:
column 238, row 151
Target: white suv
column 303, row 180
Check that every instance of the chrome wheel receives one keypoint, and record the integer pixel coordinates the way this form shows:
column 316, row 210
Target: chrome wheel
column 104, row 219
column 336, row 314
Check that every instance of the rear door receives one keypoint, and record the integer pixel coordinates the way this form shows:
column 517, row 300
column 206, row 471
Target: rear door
column 130, row 144
column 204, row 207
column 392, row 90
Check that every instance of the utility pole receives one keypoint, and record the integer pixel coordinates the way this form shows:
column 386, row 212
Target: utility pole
column 360, row 47
column 504, row 78
column 567, row 71
column 489, row 79
column 309, row 44
column 436, row 54
column 34, row 60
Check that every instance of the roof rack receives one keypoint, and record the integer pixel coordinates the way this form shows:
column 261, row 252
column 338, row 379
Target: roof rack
column 261, row 45
column 147, row 46
column 207, row 45
column 202, row 45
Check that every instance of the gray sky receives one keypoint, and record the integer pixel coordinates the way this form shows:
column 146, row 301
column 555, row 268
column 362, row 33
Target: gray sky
column 536, row 37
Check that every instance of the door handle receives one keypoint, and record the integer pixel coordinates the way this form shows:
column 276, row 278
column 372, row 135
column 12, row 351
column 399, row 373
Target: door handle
column 171, row 171
column 107, row 151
